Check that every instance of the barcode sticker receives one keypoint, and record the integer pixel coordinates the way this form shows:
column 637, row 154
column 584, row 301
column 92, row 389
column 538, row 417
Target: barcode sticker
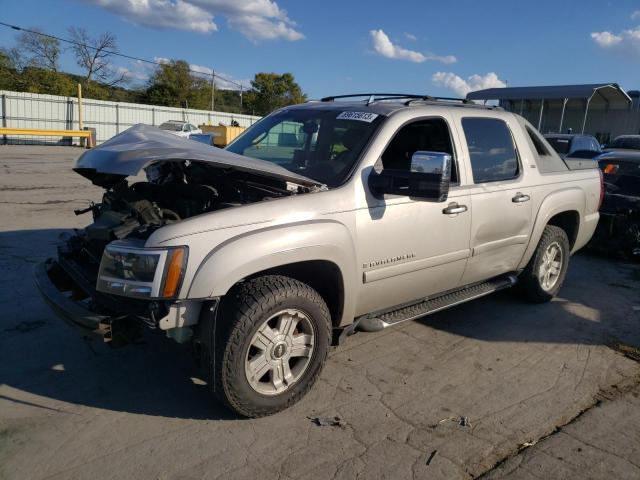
column 360, row 116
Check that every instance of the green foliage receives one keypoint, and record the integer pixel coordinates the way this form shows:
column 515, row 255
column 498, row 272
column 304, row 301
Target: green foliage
column 173, row 84
column 270, row 91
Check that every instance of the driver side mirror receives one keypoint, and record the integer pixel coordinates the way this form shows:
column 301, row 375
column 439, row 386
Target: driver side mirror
column 428, row 178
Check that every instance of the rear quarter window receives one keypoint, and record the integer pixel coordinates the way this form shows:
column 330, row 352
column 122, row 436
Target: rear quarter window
column 492, row 152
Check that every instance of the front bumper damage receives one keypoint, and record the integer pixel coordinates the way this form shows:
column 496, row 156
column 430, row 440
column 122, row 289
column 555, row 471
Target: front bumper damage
column 75, row 300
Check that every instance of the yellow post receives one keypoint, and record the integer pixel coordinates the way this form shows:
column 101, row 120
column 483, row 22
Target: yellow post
column 80, row 106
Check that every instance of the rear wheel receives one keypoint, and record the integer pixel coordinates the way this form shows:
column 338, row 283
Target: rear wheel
column 543, row 276
column 272, row 339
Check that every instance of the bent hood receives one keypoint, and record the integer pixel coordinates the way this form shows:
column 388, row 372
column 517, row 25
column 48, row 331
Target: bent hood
column 130, row 151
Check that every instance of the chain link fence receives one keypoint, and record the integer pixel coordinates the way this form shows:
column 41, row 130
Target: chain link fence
column 32, row 110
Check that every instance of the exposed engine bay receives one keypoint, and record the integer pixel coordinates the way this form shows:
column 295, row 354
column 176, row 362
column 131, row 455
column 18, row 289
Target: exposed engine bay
column 174, row 191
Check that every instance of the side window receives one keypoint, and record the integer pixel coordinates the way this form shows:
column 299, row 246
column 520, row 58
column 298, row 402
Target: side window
column 492, row 152
column 431, row 135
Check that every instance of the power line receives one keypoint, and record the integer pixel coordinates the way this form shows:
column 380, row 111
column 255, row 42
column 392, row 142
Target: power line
column 118, row 54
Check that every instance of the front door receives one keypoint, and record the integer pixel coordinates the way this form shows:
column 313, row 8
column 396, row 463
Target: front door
column 411, row 248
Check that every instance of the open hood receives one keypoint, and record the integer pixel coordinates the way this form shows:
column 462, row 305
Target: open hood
column 130, row 151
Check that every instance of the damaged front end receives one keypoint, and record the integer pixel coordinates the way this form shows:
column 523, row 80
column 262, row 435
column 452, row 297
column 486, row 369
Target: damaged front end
column 105, row 280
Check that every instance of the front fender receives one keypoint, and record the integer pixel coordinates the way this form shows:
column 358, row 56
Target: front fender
column 252, row 252
column 569, row 199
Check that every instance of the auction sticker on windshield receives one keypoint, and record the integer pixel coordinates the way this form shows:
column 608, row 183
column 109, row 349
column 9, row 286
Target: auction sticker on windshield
column 360, row 116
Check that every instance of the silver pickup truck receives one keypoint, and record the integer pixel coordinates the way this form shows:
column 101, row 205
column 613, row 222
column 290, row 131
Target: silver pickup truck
column 322, row 219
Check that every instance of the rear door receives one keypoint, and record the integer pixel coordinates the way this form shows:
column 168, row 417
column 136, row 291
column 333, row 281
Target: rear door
column 500, row 198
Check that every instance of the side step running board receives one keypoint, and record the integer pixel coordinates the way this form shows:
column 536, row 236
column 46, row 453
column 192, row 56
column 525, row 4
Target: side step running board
column 374, row 323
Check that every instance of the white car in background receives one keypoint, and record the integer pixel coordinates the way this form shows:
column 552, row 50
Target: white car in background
column 180, row 128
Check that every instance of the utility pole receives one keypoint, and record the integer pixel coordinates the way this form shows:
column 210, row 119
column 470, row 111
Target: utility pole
column 213, row 90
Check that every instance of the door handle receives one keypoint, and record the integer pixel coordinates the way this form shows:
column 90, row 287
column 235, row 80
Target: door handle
column 520, row 197
column 454, row 209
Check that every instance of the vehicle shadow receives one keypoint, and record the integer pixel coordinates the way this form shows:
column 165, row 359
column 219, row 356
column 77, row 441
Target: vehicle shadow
column 44, row 362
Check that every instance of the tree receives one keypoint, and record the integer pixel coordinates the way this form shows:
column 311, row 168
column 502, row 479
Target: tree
column 270, row 91
column 174, row 83
column 170, row 84
column 93, row 56
column 40, row 50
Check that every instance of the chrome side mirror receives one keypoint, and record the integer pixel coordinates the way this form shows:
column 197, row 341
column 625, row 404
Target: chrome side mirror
column 438, row 163
column 427, row 178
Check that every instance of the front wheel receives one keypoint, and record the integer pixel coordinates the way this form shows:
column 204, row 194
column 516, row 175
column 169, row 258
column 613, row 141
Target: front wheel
column 543, row 276
column 272, row 339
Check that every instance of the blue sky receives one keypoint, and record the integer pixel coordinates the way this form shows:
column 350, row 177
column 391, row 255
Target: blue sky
column 441, row 48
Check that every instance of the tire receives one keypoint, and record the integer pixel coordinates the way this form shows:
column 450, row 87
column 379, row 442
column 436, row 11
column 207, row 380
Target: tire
column 288, row 321
column 532, row 283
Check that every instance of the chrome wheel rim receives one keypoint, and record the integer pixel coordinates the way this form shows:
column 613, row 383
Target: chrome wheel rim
column 551, row 266
column 280, row 352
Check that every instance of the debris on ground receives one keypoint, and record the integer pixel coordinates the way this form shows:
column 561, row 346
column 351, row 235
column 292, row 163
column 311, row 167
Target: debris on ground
column 328, row 421
column 530, row 443
column 461, row 420
column 430, row 458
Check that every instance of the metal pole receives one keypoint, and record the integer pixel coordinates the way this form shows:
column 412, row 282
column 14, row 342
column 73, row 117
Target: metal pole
column 80, row 124
column 564, row 104
column 586, row 111
column 4, row 116
column 240, row 96
column 540, row 118
column 213, row 90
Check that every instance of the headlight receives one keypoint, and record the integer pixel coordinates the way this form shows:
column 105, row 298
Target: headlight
column 140, row 272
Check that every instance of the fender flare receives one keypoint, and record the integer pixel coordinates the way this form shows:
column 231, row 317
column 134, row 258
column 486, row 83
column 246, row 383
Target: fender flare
column 568, row 199
column 252, row 252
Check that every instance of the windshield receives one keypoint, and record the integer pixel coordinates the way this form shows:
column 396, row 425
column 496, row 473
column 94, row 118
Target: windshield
column 174, row 127
column 560, row 145
column 631, row 143
column 322, row 145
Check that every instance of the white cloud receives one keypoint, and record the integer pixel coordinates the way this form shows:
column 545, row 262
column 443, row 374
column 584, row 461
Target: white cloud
column 626, row 41
column 635, row 15
column 606, row 39
column 385, row 47
column 255, row 19
column 178, row 14
column 410, row 36
column 461, row 87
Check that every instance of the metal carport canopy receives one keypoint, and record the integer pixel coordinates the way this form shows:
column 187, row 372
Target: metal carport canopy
column 610, row 92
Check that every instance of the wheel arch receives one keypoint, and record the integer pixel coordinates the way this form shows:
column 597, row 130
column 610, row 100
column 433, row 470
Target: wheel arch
column 320, row 254
column 564, row 209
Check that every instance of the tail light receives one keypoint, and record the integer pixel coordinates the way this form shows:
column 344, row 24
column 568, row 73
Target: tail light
column 611, row 168
column 601, row 188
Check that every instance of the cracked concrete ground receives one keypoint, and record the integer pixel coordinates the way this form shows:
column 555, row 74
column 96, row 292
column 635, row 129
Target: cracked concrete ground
column 516, row 372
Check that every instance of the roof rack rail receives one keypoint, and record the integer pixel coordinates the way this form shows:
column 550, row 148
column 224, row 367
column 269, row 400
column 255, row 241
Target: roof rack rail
column 443, row 99
column 411, row 97
column 381, row 96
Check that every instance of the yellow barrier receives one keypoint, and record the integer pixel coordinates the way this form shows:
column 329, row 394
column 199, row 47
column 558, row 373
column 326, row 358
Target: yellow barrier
column 47, row 133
